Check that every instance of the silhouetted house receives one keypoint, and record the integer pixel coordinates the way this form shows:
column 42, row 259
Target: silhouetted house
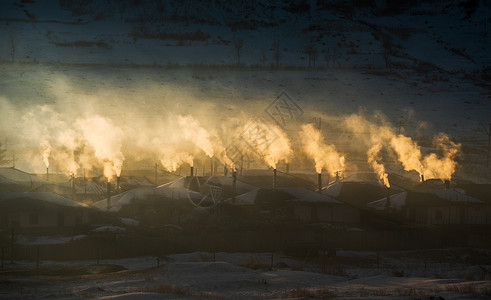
column 80, row 190
column 41, row 212
column 299, row 204
column 202, row 191
column 436, row 207
column 359, row 193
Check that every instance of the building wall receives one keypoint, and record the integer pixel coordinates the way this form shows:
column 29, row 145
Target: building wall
column 45, row 219
column 326, row 213
column 450, row 215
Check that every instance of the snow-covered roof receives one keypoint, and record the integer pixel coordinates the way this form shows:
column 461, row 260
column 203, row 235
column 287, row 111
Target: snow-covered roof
column 41, row 196
column 298, row 194
column 4, row 180
column 18, row 175
column 397, row 201
column 175, row 189
column 109, row 228
column 46, row 240
column 454, row 196
column 306, row 195
column 92, row 188
column 334, row 190
column 248, row 198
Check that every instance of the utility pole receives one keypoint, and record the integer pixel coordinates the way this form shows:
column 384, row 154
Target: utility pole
column 318, row 123
column 489, row 141
column 156, row 166
column 85, row 187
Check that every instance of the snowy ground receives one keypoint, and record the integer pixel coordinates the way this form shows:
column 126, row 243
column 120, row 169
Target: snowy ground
column 449, row 273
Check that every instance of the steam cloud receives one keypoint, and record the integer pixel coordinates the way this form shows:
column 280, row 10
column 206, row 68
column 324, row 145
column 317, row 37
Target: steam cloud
column 269, row 141
column 106, row 139
column 325, row 156
column 408, row 152
column 69, row 136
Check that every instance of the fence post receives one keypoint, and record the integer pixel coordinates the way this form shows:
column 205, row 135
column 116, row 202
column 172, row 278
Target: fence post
column 12, row 246
column 37, row 257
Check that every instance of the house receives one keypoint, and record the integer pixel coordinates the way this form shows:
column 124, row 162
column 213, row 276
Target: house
column 41, row 212
column 359, row 193
column 80, row 190
column 436, row 207
column 298, row 203
column 201, row 191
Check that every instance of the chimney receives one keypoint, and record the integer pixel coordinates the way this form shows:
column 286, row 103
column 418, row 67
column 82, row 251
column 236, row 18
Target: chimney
column 47, row 174
column 225, row 171
column 118, row 189
column 337, row 176
column 234, row 185
column 447, row 184
column 73, row 184
column 108, row 195
column 274, row 179
column 191, row 171
column 387, row 204
column 287, row 168
column 422, row 178
column 211, row 169
column 319, row 182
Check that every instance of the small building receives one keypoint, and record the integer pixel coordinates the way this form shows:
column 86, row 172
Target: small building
column 41, row 212
column 436, row 207
column 299, row 204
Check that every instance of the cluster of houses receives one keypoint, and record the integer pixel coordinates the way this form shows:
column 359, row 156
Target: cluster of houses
column 31, row 204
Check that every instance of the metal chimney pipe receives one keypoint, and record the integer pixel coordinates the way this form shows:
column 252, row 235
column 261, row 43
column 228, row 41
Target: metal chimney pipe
column 47, row 174
column 387, row 204
column 108, row 195
column 73, row 184
column 234, row 185
column 319, row 182
column 337, row 176
column 117, row 184
column 422, row 178
column 212, row 170
column 274, row 179
column 287, row 168
column 447, row 184
column 192, row 171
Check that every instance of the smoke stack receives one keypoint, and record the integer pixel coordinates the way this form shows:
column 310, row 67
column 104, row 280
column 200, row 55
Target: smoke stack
column 319, row 182
column 73, row 184
column 192, row 171
column 422, row 178
column 108, row 195
column 287, row 168
column 447, row 184
column 117, row 184
column 211, row 167
column 47, row 174
column 387, row 204
column 274, row 179
column 337, row 176
column 225, row 171
column 234, row 185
